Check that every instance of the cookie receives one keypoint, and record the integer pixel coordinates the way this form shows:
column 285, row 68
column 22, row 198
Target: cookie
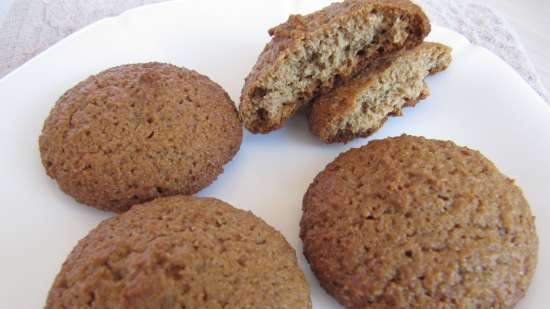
column 309, row 54
column 360, row 106
column 139, row 131
column 409, row 222
column 181, row 252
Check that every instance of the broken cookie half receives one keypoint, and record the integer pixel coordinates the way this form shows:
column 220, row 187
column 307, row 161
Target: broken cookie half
column 308, row 55
column 360, row 106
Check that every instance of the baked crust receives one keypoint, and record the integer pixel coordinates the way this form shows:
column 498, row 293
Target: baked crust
column 409, row 222
column 181, row 252
column 139, row 131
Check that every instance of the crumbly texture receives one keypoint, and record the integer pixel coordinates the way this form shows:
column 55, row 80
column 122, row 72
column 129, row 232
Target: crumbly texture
column 408, row 222
column 139, row 131
column 181, row 252
column 309, row 54
column 360, row 106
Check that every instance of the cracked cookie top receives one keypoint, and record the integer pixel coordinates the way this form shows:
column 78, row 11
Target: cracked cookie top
column 181, row 252
column 408, row 222
column 139, row 131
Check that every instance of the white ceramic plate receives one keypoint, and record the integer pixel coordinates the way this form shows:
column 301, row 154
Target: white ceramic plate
column 479, row 102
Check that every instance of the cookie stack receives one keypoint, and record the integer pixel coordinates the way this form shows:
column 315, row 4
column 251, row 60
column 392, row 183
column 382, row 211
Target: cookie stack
column 355, row 63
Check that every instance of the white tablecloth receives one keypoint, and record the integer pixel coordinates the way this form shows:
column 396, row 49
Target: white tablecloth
column 30, row 26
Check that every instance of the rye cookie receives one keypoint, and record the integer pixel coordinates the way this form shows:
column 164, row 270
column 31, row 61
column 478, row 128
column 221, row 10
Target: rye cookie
column 409, row 222
column 360, row 106
column 139, row 131
column 310, row 54
column 181, row 252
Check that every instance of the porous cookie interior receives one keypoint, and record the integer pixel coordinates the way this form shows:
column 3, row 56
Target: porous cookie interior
column 412, row 223
column 315, row 64
column 378, row 92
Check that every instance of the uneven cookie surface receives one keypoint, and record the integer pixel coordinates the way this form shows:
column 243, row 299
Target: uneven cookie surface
column 181, row 252
column 360, row 106
column 309, row 54
column 408, row 222
column 139, row 131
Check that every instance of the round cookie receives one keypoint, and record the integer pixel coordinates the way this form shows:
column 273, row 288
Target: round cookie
column 181, row 252
column 139, row 131
column 408, row 222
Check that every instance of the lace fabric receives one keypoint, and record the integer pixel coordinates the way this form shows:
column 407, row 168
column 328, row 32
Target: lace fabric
column 484, row 27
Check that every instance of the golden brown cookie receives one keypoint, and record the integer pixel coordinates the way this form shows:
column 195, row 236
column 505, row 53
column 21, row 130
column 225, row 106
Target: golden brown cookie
column 139, row 131
column 409, row 222
column 360, row 106
column 181, row 252
column 309, row 54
